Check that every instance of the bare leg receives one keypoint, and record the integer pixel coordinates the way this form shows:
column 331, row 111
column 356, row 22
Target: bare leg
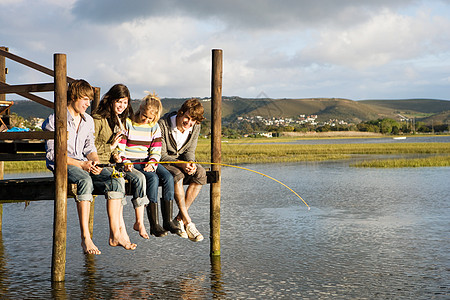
column 139, row 224
column 181, row 202
column 84, row 208
column 123, row 228
column 192, row 193
column 117, row 235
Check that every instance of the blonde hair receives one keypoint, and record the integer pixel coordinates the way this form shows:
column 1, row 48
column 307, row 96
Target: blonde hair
column 150, row 103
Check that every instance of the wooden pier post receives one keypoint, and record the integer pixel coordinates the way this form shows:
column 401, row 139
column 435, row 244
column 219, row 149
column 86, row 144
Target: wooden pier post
column 216, row 156
column 60, row 206
column 2, row 98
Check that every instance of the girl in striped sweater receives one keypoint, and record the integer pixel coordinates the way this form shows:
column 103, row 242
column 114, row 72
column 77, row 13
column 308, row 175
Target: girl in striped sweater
column 141, row 144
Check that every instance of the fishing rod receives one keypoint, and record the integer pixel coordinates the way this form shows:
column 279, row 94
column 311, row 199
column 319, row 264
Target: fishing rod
column 122, row 164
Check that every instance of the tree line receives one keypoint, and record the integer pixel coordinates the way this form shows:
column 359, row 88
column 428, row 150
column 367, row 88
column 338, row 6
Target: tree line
column 237, row 129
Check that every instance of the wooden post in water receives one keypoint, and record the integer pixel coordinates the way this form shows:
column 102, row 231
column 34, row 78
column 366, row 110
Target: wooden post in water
column 216, row 156
column 60, row 206
column 2, row 98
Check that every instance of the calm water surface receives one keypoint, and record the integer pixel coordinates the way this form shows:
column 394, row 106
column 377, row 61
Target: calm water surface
column 378, row 140
column 370, row 234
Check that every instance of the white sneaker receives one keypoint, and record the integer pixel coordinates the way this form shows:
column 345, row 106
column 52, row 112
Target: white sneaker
column 180, row 225
column 193, row 234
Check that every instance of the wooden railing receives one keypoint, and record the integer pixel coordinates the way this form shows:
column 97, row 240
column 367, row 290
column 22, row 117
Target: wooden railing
column 57, row 187
column 59, row 87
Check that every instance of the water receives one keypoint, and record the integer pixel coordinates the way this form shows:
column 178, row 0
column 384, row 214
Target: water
column 370, row 234
column 378, row 140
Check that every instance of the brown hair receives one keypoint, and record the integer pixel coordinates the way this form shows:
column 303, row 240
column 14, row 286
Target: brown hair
column 194, row 108
column 78, row 89
column 105, row 108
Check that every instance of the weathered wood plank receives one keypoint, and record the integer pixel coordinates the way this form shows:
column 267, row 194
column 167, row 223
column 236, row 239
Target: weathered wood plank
column 22, row 88
column 32, row 97
column 30, row 64
column 27, row 135
column 37, row 189
column 22, row 157
column 21, row 146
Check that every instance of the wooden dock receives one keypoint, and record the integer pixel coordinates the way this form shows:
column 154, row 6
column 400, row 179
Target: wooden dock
column 23, row 146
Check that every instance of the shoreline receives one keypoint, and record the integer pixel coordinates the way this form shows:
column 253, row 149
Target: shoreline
column 315, row 134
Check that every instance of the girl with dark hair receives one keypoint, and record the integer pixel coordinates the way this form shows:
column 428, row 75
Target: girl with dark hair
column 109, row 119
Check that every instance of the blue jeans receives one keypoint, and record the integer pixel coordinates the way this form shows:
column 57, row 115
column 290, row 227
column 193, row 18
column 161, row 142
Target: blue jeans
column 153, row 179
column 112, row 188
column 138, row 187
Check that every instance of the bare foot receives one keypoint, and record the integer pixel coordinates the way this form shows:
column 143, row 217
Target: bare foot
column 89, row 247
column 114, row 242
column 141, row 229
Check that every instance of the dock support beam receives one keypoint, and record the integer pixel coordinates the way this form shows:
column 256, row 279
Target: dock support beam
column 60, row 206
column 2, row 98
column 216, row 156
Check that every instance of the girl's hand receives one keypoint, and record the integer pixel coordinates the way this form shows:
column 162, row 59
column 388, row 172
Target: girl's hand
column 117, row 158
column 116, row 140
column 149, row 168
column 128, row 168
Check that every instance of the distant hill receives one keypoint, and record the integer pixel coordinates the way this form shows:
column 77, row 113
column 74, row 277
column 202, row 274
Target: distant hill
column 427, row 110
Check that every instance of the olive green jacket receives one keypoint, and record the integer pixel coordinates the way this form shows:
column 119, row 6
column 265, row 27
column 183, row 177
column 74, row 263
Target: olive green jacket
column 103, row 139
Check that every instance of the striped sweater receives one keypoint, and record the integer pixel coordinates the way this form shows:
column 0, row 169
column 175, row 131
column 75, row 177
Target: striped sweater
column 141, row 141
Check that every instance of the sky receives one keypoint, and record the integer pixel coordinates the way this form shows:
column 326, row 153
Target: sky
column 353, row 49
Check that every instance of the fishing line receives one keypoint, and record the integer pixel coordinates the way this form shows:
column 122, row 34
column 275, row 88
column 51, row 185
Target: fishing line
column 208, row 163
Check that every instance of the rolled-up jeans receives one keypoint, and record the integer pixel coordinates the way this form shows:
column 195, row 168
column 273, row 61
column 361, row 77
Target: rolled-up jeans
column 138, row 187
column 153, row 179
column 112, row 188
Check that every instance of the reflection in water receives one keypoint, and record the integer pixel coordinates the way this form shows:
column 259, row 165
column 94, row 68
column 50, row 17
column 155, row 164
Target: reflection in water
column 370, row 234
column 59, row 290
column 3, row 268
column 90, row 278
column 216, row 277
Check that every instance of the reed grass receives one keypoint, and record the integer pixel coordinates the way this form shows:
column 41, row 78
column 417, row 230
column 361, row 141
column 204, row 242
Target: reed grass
column 266, row 153
column 24, row 166
column 280, row 150
column 434, row 161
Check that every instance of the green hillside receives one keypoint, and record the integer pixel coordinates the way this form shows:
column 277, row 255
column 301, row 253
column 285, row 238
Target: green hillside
column 412, row 105
column 428, row 110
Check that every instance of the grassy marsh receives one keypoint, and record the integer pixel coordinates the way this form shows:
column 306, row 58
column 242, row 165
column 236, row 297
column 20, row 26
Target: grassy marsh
column 233, row 153
column 263, row 150
column 433, row 161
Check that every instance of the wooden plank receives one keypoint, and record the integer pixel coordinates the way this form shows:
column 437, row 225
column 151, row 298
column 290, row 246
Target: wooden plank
column 20, row 88
column 24, row 135
column 30, row 64
column 22, row 157
column 32, row 97
column 14, row 147
column 43, row 188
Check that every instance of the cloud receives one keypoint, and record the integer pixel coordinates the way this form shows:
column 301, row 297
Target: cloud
column 327, row 48
column 266, row 14
column 385, row 38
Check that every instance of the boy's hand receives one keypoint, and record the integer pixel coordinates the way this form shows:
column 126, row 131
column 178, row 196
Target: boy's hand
column 94, row 169
column 86, row 165
column 191, row 168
